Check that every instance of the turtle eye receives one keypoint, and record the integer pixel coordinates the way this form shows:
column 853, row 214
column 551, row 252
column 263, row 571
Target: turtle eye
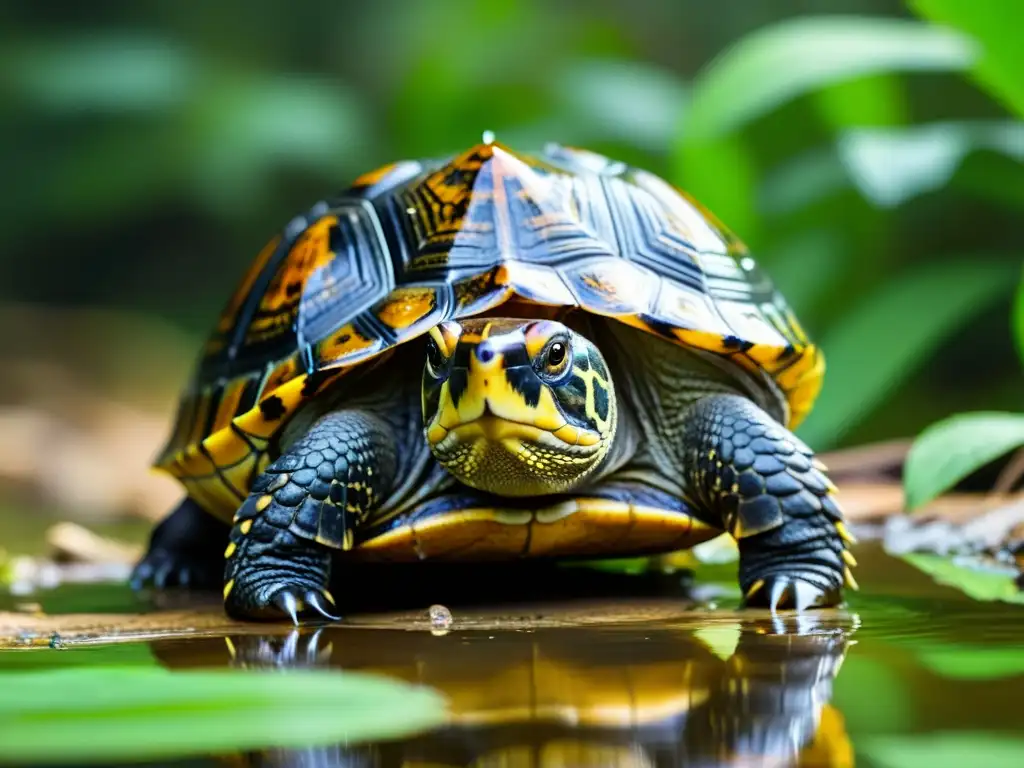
column 556, row 354
column 435, row 359
column 556, row 357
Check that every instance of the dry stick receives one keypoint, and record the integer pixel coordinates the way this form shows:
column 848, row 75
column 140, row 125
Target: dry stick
column 1011, row 474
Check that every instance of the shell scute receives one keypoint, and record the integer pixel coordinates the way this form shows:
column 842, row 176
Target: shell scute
column 414, row 243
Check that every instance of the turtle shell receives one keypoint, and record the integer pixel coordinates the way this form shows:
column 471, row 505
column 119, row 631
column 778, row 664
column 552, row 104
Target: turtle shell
column 418, row 242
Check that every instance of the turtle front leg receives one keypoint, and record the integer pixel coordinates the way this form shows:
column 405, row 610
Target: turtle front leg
column 762, row 484
column 301, row 510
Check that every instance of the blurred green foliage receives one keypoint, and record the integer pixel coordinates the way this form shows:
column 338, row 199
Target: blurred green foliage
column 148, row 712
column 950, row 450
column 865, row 153
column 972, row 579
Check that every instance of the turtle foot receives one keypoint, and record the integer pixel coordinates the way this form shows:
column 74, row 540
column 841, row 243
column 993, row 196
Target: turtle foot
column 164, row 568
column 271, row 593
column 781, row 591
column 185, row 550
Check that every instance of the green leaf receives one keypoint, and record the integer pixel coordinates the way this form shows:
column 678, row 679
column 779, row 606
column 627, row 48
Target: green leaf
column 92, row 715
column 114, row 72
column 872, row 101
column 242, row 127
column 995, row 24
column 113, row 655
column 892, row 166
column 975, row 582
column 782, row 61
column 1018, row 317
column 722, row 174
column 878, row 344
column 972, row 662
column 943, row 750
column 626, row 100
column 805, row 180
column 950, row 450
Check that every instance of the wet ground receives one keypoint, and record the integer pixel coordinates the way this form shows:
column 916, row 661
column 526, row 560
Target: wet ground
column 575, row 668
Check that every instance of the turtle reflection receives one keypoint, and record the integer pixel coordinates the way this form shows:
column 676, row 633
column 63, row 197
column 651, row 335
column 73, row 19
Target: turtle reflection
column 727, row 694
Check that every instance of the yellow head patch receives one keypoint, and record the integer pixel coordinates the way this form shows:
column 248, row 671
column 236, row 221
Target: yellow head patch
column 518, row 406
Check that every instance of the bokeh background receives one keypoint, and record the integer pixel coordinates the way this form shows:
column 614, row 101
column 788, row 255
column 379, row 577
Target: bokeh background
column 871, row 160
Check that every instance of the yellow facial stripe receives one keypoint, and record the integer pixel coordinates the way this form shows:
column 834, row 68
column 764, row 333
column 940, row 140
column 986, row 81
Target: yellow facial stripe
column 592, row 379
column 488, row 388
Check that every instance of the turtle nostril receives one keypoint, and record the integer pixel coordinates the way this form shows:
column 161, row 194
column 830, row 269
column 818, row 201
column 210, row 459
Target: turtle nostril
column 485, row 352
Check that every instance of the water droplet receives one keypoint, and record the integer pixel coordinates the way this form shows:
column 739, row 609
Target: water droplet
column 488, row 137
column 440, row 617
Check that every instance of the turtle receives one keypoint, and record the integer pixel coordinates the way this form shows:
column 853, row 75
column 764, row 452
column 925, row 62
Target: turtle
column 497, row 355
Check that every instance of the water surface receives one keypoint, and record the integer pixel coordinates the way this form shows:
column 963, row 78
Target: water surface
column 624, row 672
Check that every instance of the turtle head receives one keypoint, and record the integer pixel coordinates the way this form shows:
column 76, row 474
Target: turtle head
column 514, row 406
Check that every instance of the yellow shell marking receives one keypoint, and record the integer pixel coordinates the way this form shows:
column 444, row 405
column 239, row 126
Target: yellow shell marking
column 581, row 526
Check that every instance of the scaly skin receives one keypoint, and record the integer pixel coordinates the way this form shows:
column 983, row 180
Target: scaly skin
column 305, row 506
column 762, row 484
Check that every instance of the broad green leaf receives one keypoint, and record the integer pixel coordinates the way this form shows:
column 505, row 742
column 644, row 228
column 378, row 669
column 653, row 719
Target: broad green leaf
column 965, row 662
column 875, row 346
column 1018, row 317
column 93, row 715
column 943, row 750
column 625, row 100
column 722, row 174
column 244, row 127
column 110, row 655
column 950, row 450
column 872, row 101
column 975, row 582
column 116, row 72
column 780, row 62
column 891, row 166
column 802, row 181
column 788, row 260
column 995, row 24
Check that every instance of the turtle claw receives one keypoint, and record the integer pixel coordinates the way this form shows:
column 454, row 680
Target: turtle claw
column 779, row 592
column 316, row 601
column 296, row 602
column 286, row 603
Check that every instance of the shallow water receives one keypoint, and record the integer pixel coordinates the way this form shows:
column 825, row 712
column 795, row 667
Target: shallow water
column 909, row 673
